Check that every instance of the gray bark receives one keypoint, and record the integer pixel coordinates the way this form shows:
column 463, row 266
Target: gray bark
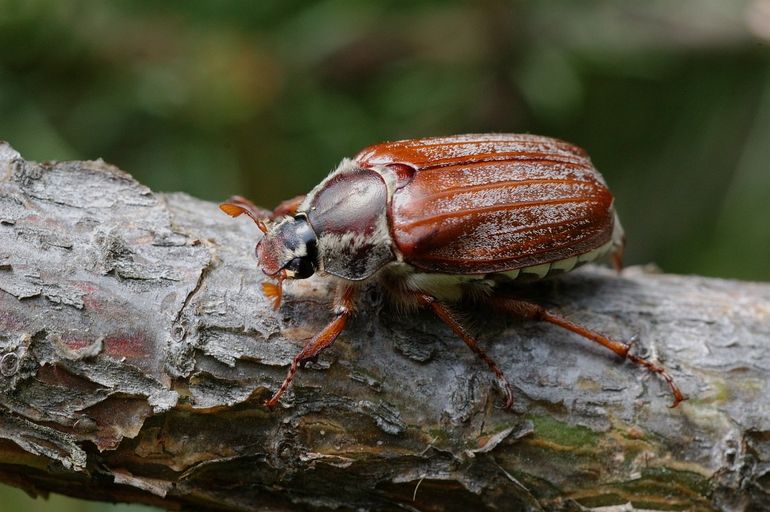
column 136, row 349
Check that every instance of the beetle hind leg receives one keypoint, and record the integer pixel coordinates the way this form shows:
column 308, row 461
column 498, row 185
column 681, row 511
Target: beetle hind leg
column 449, row 318
column 534, row 311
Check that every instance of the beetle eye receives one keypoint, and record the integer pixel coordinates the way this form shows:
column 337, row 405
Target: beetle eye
column 302, row 268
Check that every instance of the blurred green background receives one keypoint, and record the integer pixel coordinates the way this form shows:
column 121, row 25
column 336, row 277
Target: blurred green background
column 263, row 98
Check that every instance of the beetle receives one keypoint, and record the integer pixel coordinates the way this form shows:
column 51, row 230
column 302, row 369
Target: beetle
column 438, row 220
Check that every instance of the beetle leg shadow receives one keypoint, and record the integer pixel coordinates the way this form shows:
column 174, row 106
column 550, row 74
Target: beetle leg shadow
column 303, row 364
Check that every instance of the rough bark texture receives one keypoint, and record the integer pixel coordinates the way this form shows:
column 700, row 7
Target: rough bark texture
column 136, row 350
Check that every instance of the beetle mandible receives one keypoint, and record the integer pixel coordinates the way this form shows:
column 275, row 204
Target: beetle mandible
column 441, row 219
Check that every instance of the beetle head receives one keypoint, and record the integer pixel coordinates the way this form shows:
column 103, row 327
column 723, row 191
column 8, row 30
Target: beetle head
column 288, row 249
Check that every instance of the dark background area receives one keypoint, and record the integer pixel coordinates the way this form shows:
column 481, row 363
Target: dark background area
column 671, row 99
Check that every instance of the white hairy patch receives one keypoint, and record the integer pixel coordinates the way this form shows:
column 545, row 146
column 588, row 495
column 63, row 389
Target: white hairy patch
column 389, row 177
column 403, row 280
column 540, row 271
column 335, row 247
column 618, row 235
column 565, row 265
column 354, row 255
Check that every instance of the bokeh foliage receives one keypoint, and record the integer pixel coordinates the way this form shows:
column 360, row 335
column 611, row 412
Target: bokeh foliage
column 262, row 98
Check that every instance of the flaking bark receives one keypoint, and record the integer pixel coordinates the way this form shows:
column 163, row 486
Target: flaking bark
column 136, row 349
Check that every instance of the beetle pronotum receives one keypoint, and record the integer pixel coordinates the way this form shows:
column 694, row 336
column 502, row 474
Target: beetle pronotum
column 437, row 220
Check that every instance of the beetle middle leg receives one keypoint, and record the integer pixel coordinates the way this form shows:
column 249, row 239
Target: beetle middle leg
column 343, row 309
column 532, row 311
column 448, row 318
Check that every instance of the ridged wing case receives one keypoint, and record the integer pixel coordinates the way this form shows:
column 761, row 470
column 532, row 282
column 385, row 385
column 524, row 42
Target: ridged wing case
column 493, row 203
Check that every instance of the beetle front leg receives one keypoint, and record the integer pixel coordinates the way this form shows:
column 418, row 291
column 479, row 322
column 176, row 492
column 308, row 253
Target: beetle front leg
column 288, row 207
column 534, row 311
column 448, row 318
column 343, row 309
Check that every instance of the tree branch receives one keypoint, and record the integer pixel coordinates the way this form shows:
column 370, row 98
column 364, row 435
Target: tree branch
column 136, row 349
